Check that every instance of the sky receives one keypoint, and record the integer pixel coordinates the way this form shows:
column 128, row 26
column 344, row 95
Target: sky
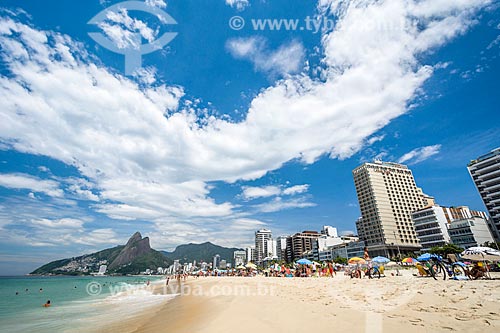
column 234, row 125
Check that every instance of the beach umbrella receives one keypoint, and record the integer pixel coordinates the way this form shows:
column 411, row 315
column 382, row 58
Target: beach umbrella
column 410, row 260
column 304, row 261
column 481, row 253
column 428, row 256
column 240, row 267
column 251, row 265
column 381, row 260
column 356, row 260
column 391, row 264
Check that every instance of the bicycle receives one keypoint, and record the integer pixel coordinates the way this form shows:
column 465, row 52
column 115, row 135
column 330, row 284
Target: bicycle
column 438, row 268
column 373, row 272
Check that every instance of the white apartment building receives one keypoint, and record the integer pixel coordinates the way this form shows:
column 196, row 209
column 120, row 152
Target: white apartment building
column 470, row 232
column 387, row 195
column 431, row 225
column 240, row 257
column 261, row 238
column 250, row 254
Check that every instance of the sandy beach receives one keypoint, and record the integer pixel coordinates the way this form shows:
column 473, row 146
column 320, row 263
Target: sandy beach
column 260, row 304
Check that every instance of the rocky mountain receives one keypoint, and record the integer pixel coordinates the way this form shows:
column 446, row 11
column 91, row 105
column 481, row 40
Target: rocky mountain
column 200, row 252
column 134, row 257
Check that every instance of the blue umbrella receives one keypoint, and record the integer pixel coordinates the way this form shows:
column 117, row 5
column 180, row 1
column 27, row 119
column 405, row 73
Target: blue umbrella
column 428, row 256
column 381, row 259
column 304, row 262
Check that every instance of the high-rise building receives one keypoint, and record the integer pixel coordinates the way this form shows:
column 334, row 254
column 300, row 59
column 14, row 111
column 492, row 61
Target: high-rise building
column 281, row 247
column 303, row 242
column 270, row 249
column 223, row 264
column 250, row 252
column 485, row 172
column 240, row 257
column 387, row 196
column 261, row 238
column 216, row 262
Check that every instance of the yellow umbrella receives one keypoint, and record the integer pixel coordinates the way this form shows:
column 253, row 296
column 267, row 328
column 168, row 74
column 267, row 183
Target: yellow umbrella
column 356, row 260
column 251, row 265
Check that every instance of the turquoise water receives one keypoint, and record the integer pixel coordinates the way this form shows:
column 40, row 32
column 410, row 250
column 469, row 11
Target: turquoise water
column 79, row 304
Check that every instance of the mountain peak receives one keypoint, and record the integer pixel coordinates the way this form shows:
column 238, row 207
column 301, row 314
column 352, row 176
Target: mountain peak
column 135, row 238
column 136, row 246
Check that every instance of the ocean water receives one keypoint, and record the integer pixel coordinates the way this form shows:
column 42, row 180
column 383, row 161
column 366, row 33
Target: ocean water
column 79, row 304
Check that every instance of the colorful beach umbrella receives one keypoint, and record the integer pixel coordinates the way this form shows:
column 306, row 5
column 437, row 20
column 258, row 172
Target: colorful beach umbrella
column 410, row 260
column 381, row 260
column 356, row 260
column 304, row 261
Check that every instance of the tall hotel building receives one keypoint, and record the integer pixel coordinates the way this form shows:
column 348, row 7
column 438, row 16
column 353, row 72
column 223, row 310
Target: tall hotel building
column 485, row 171
column 387, row 196
column 261, row 241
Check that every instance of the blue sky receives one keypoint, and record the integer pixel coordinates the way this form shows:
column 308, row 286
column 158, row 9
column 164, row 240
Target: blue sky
column 225, row 131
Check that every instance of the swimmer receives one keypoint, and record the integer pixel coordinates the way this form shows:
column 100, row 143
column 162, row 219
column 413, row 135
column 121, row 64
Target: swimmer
column 17, row 292
column 40, row 290
column 26, row 290
column 47, row 304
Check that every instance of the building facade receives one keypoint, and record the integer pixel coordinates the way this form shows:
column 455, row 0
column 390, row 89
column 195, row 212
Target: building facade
column 281, row 242
column 250, row 254
column 216, row 261
column 470, row 232
column 387, row 195
column 303, row 242
column 240, row 258
column 431, row 225
column 261, row 238
column 485, row 172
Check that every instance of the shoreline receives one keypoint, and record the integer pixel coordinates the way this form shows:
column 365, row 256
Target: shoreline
column 391, row 304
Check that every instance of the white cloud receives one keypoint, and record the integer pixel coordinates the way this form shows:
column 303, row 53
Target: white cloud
column 278, row 204
column 156, row 3
column 27, row 182
column 296, row 189
column 253, row 192
column 147, row 156
column 418, row 155
column 287, row 59
column 122, row 30
column 238, row 4
column 374, row 139
column 64, row 223
column 250, row 192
